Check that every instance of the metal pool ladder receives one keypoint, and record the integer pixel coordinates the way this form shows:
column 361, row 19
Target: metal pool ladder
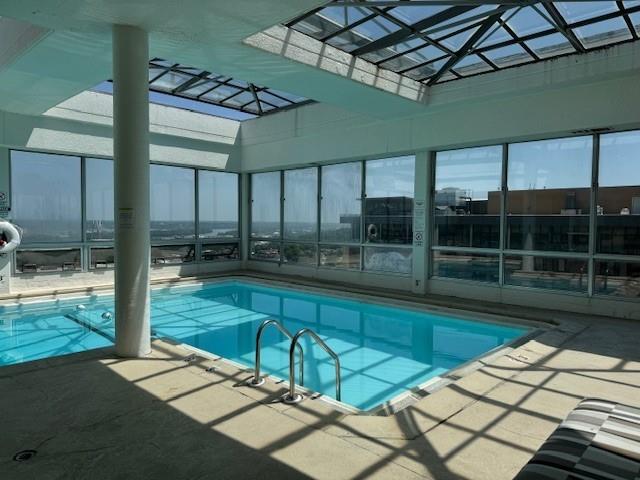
column 294, row 397
column 257, row 379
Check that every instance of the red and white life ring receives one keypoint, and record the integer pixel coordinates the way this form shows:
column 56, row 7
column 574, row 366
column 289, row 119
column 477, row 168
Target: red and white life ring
column 13, row 237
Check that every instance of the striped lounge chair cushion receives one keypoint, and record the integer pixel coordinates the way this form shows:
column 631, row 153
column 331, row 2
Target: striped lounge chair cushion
column 599, row 440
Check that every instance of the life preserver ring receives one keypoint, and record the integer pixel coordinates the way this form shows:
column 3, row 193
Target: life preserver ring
column 13, row 237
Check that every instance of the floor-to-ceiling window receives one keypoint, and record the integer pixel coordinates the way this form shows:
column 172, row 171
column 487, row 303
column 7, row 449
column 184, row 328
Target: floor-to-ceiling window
column 173, row 214
column 54, row 196
column 100, row 224
column 266, row 196
column 47, row 205
column 466, row 226
column 548, row 203
column 617, row 262
column 388, row 214
column 218, row 215
column 334, row 232
column 340, row 215
column 300, row 210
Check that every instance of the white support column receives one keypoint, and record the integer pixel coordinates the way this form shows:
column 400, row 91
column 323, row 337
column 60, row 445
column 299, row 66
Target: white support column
column 5, row 214
column 131, row 185
column 421, row 209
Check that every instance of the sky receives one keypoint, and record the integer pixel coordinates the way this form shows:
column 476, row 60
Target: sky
column 561, row 163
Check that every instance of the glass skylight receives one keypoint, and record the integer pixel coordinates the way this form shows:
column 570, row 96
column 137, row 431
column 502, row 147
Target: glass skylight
column 202, row 86
column 442, row 42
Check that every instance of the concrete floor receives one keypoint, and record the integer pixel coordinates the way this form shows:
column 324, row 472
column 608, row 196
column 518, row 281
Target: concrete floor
column 93, row 416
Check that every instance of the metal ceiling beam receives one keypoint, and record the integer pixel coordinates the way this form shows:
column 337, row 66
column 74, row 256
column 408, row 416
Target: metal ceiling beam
column 191, row 82
column 561, row 26
column 627, row 20
column 468, row 45
column 252, row 89
column 164, row 71
column 417, row 34
column 405, row 33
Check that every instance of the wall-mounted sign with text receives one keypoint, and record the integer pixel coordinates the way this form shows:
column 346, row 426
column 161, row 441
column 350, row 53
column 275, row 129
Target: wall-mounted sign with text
column 5, row 208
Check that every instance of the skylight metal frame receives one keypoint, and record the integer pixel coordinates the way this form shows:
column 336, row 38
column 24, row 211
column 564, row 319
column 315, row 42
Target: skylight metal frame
column 457, row 17
column 257, row 105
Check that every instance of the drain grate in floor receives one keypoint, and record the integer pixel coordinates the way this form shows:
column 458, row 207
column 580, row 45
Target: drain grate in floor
column 24, row 455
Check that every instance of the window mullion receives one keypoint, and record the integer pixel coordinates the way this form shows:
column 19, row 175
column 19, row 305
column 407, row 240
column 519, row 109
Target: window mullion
column 593, row 212
column 503, row 212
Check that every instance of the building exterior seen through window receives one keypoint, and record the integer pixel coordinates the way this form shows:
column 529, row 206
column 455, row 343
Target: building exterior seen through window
column 547, row 215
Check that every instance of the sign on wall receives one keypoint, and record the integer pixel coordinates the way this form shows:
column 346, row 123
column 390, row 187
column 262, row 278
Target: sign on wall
column 4, row 204
column 418, row 222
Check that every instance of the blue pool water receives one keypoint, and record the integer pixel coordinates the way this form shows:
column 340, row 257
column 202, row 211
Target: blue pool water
column 31, row 333
column 383, row 350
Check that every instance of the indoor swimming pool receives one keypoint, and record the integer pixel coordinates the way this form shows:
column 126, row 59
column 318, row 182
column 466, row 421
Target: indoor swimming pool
column 384, row 351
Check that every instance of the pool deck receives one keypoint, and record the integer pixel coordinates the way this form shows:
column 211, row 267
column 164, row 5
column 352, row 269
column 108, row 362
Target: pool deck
column 92, row 415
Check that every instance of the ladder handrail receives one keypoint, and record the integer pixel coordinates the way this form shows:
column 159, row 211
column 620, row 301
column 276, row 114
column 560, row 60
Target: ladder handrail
column 292, row 374
column 257, row 379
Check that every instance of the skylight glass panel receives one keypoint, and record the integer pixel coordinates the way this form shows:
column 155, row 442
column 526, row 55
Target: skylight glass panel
column 471, row 65
column 528, row 21
column 426, row 71
column 508, row 56
column 469, row 17
column 190, row 85
column 576, row 11
column 267, row 107
column 635, row 19
column 238, row 83
column 455, row 42
column 384, row 53
column 550, row 45
column 602, row 33
column 527, row 31
column 272, row 99
column 411, row 15
column 220, row 93
column 413, row 59
column 496, row 35
column 241, row 99
column 156, row 71
column 171, row 80
column 198, row 88
column 252, row 107
column 330, row 20
column 363, row 34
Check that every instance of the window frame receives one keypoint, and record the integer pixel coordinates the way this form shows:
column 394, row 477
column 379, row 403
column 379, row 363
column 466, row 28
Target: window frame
column 318, row 243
